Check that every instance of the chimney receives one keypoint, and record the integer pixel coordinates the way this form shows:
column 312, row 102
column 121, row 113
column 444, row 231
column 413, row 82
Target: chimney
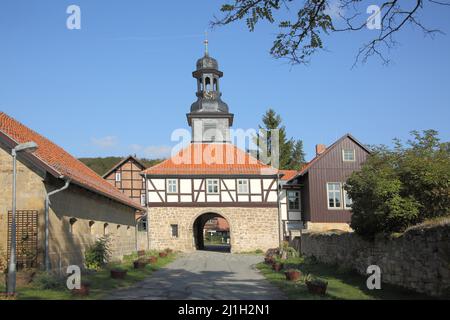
column 320, row 148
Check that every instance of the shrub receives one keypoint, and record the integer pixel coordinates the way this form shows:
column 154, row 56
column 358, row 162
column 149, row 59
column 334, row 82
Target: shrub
column 48, row 281
column 400, row 187
column 3, row 261
column 98, row 255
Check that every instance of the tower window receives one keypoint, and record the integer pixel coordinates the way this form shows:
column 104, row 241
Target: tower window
column 215, row 85
column 208, row 84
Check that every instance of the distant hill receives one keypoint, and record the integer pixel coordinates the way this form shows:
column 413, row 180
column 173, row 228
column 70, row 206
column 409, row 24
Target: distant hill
column 103, row 165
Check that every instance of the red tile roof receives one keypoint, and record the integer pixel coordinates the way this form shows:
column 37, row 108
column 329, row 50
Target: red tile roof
column 58, row 162
column 288, row 174
column 211, row 159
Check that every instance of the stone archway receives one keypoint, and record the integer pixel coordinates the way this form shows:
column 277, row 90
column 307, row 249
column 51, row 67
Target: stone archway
column 198, row 228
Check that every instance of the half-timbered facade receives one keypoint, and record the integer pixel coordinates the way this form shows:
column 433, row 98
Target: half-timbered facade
column 126, row 176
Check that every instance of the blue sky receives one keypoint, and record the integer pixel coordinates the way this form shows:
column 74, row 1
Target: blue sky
column 123, row 82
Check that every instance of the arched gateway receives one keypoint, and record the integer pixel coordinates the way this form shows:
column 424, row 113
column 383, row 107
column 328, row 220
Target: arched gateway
column 212, row 177
column 215, row 227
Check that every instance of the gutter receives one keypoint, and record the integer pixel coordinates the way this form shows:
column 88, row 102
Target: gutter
column 47, row 210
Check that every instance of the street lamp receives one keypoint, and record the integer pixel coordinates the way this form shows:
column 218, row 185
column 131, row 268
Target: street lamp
column 28, row 147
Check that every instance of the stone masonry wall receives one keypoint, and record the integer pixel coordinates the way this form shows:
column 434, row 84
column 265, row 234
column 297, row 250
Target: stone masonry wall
column 418, row 260
column 250, row 228
column 66, row 247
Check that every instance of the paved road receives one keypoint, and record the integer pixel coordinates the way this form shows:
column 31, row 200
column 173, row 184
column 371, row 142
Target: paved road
column 205, row 275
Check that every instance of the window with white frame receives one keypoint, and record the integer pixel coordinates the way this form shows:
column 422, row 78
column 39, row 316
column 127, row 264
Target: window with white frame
column 174, row 230
column 212, row 186
column 243, row 186
column 172, row 186
column 118, row 177
column 347, row 200
column 143, row 199
column 348, row 154
column 293, row 200
column 334, row 192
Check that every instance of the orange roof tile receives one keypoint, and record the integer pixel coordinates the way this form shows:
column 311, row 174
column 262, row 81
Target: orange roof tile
column 288, row 174
column 58, row 162
column 211, row 159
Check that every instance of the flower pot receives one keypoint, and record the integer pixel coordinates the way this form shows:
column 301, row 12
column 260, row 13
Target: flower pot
column 292, row 275
column 141, row 253
column 139, row 264
column 83, row 291
column 162, row 254
column 153, row 260
column 118, row 274
column 315, row 287
column 277, row 266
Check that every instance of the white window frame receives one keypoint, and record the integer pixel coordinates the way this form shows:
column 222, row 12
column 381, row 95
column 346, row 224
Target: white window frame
column 343, row 155
column 143, row 199
column 246, row 184
column 169, row 185
column 118, row 176
column 210, row 182
column 299, row 200
column 340, row 196
column 345, row 194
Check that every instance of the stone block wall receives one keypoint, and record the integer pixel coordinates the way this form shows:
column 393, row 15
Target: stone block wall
column 418, row 259
column 250, row 228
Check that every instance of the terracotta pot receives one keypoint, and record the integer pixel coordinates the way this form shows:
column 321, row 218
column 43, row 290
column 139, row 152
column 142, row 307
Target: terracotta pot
column 141, row 253
column 139, row 264
column 83, row 291
column 162, row 254
column 292, row 275
column 317, row 288
column 277, row 266
column 118, row 274
column 153, row 260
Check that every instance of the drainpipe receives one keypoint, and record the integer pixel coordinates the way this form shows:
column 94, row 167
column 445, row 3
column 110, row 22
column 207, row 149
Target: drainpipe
column 137, row 231
column 147, row 214
column 47, row 209
column 279, row 211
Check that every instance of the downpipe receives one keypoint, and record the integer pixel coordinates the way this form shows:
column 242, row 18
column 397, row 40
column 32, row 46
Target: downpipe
column 47, row 223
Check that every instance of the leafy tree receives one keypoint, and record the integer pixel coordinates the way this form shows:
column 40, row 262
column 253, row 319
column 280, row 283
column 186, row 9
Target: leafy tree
column 302, row 23
column 291, row 155
column 401, row 187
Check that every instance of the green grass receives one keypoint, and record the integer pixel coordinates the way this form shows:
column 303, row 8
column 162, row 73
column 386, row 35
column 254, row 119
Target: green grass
column 342, row 284
column 101, row 283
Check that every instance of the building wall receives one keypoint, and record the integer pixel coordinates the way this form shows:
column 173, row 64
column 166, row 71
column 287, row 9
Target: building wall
column 65, row 247
column 331, row 168
column 250, row 228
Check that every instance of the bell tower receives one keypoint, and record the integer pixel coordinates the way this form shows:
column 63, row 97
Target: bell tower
column 209, row 118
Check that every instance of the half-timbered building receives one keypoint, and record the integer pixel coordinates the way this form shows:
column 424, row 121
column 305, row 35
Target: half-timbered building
column 210, row 178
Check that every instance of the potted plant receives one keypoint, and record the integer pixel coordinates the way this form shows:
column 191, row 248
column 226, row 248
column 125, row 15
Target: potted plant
column 269, row 260
column 139, row 264
column 277, row 266
column 153, row 260
column 168, row 251
column 163, row 254
column 316, row 285
column 118, row 273
column 292, row 274
column 84, row 289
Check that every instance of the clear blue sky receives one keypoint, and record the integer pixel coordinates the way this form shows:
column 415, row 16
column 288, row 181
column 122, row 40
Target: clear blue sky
column 123, row 82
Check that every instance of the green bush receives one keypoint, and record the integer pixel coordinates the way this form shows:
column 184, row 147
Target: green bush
column 98, row 255
column 48, row 281
column 400, row 187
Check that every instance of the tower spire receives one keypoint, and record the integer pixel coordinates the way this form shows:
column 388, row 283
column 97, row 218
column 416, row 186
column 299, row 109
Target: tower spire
column 206, row 42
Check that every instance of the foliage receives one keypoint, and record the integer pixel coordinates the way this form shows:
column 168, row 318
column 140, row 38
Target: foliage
column 401, row 187
column 3, row 261
column 291, row 155
column 103, row 165
column 48, row 281
column 303, row 24
column 98, row 255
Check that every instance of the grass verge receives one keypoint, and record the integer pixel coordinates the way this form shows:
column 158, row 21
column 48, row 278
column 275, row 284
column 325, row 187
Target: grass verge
column 342, row 284
column 101, row 283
